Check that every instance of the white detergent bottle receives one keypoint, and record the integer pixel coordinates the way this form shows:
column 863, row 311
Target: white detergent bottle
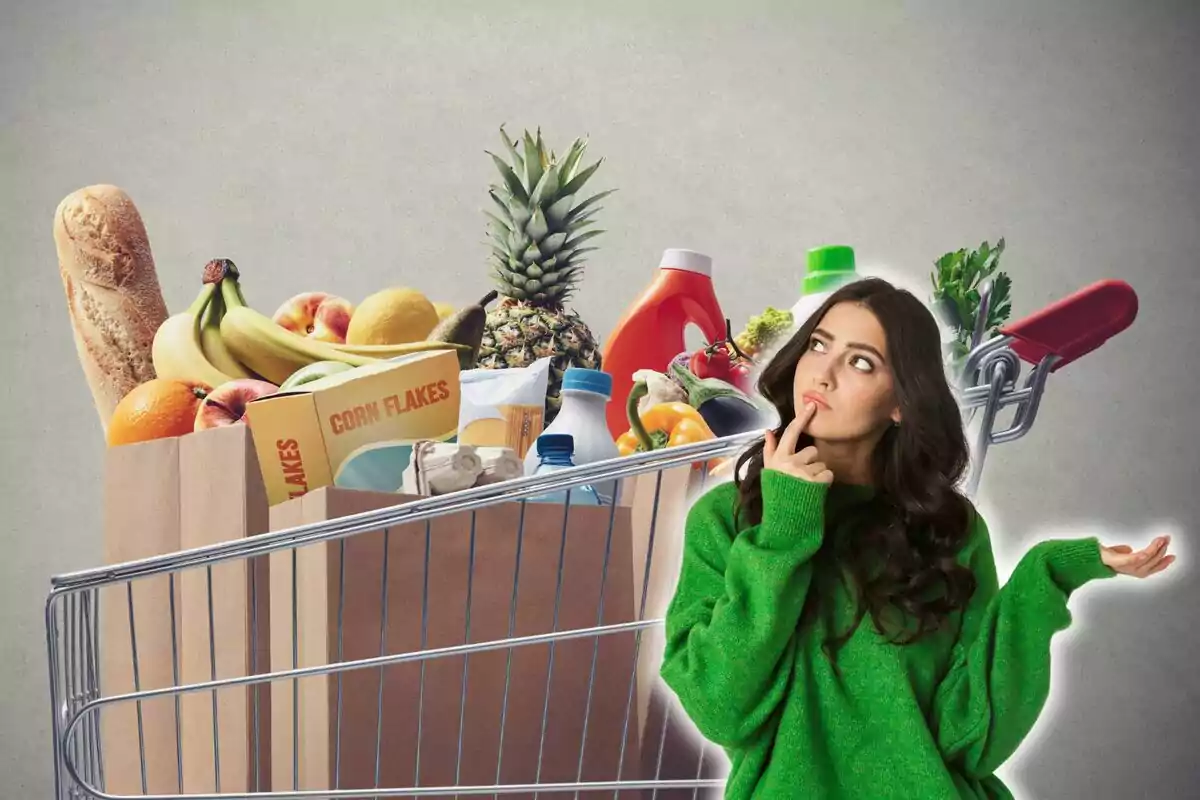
column 585, row 396
column 828, row 269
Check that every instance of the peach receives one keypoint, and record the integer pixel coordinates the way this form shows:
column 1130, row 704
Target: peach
column 226, row 405
column 317, row 315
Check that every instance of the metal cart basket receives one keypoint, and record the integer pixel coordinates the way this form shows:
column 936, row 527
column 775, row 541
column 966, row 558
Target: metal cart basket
column 76, row 646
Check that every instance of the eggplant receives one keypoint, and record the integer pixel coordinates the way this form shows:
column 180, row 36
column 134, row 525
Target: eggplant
column 725, row 408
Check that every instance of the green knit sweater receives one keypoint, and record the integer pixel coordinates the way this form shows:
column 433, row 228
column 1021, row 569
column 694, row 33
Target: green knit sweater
column 925, row 721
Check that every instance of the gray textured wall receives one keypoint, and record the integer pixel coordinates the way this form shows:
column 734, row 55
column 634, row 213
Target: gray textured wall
column 343, row 151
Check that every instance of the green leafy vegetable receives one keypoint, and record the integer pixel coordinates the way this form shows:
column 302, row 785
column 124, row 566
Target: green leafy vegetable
column 957, row 280
column 762, row 331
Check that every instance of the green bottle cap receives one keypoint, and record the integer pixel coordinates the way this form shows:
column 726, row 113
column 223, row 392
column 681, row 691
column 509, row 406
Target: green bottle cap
column 828, row 268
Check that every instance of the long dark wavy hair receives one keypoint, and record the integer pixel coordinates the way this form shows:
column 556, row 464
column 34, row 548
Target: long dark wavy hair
column 900, row 551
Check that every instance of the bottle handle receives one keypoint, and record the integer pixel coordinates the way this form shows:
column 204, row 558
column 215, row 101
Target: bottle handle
column 700, row 315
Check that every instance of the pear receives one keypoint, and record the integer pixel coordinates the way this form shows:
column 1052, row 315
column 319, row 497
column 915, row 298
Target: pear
column 314, row 372
column 465, row 326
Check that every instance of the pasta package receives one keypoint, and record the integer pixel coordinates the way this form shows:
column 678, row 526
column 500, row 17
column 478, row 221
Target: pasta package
column 503, row 407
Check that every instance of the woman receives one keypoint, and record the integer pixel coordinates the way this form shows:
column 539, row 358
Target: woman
column 849, row 510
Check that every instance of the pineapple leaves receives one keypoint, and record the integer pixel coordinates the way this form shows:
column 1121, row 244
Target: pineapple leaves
column 520, row 215
column 531, row 255
column 576, row 183
column 585, row 218
column 552, row 244
column 571, row 161
column 502, row 206
column 575, row 258
column 499, row 251
column 580, row 239
column 537, row 227
column 499, row 237
column 518, row 241
column 536, row 230
column 533, row 160
column 510, row 179
column 546, row 187
column 566, row 281
column 579, row 209
column 556, row 213
column 498, row 225
column 512, row 150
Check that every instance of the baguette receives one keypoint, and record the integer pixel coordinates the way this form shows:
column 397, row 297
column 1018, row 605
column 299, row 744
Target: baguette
column 113, row 295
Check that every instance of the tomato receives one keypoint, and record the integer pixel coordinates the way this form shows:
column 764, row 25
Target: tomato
column 740, row 375
column 710, row 362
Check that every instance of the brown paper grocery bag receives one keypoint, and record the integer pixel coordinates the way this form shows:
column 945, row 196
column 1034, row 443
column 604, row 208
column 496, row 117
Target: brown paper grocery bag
column 160, row 497
column 671, row 748
column 222, row 498
column 425, row 724
column 141, row 519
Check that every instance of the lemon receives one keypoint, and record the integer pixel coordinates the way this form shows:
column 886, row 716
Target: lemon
column 392, row 316
column 444, row 310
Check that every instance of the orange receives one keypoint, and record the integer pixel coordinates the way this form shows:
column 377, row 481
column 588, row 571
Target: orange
column 156, row 409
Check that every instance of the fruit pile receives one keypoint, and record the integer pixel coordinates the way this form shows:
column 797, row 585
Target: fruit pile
column 220, row 354
column 209, row 361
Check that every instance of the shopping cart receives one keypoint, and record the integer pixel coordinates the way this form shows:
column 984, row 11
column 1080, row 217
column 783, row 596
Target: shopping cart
column 645, row 742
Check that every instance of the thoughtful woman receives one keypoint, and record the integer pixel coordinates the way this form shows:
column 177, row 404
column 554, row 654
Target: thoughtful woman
column 838, row 626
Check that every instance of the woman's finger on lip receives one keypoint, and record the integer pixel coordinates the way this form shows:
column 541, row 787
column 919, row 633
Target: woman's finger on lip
column 805, row 416
column 791, row 435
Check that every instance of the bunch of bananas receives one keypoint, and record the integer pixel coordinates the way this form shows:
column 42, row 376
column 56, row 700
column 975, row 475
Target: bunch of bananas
column 220, row 338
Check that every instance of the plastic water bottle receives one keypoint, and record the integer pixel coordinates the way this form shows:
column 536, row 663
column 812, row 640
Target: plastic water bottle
column 555, row 453
column 585, row 394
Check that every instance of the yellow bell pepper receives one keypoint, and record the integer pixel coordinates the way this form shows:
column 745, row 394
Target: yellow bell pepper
column 662, row 425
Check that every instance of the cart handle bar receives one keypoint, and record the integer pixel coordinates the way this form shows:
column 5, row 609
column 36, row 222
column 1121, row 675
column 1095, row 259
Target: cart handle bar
column 1075, row 325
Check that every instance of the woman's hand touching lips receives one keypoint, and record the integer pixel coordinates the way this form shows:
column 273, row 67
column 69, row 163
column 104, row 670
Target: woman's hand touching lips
column 782, row 457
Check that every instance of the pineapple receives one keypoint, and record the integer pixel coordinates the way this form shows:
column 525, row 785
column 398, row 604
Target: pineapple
column 537, row 256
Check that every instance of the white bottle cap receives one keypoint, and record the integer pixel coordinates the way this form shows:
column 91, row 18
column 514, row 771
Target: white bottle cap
column 687, row 260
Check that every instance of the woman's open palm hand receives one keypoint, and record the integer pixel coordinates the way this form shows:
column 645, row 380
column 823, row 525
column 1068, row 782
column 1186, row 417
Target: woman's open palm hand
column 782, row 457
column 1141, row 564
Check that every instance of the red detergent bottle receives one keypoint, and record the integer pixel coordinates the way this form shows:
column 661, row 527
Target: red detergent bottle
column 652, row 331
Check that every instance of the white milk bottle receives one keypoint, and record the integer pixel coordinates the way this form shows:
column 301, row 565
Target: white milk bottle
column 585, row 395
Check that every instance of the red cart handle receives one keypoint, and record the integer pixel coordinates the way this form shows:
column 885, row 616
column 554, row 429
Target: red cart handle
column 1075, row 325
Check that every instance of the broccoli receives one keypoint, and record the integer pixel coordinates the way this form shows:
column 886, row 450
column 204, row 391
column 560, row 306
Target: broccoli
column 763, row 330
